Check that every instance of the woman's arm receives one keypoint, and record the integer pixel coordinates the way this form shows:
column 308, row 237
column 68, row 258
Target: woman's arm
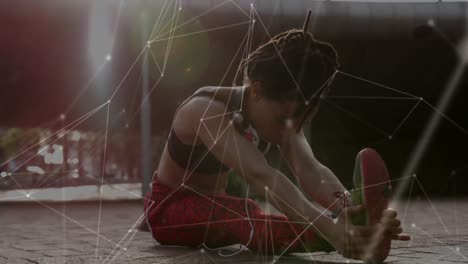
column 317, row 181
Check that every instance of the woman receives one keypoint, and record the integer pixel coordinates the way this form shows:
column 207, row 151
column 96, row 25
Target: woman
column 222, row 128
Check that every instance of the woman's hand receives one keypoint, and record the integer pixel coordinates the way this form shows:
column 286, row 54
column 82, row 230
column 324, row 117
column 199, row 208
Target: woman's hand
column 392, row 226
column 364, row 242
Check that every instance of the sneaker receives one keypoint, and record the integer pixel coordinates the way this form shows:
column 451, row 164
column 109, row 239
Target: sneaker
column 372, row 189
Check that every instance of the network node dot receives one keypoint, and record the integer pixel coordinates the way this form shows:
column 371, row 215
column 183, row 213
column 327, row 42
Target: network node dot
column 390, row 137
column 108, row 101
column 457, row 249
column 62, row 116
column 202, row 250
column 431, row 22
column 3, row 174
column 28, row 195
column 253, row 21
column 322, row 181
column 162, row 74
column 108, row 57
column 306, row 102
column 9, row 174
column 413, row 225
column 414, row 175
column 125, row 249
column 266, row 188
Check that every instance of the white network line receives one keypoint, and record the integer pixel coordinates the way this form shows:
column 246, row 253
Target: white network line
column 102, row 177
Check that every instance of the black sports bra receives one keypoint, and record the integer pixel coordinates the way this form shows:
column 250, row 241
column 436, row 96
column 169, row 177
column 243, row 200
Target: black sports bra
column 197, row 158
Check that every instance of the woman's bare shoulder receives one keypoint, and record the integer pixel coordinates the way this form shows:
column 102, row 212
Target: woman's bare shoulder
column 199, row 107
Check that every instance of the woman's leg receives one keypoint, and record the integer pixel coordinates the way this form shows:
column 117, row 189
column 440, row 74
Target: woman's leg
column 193, row 219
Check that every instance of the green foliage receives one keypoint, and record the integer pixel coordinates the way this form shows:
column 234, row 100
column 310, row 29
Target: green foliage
column 16, row 138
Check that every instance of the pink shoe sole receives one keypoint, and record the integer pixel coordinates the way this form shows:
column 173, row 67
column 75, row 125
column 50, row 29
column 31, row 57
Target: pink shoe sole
column 373, row 189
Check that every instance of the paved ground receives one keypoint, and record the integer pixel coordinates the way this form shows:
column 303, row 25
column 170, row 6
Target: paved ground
column 58, row 233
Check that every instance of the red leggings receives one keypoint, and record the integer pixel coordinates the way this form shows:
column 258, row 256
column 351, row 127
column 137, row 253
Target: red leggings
column 187, row 218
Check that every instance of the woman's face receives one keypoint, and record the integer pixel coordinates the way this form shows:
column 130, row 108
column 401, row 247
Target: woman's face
column 274, row 119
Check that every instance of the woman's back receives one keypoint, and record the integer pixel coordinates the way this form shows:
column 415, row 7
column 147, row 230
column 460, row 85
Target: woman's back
column 184, row 155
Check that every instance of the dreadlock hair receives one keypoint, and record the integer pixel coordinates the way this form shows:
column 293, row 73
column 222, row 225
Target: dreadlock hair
column 292, row 65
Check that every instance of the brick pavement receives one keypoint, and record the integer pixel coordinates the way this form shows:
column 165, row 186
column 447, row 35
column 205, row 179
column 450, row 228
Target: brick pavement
column 66, row 233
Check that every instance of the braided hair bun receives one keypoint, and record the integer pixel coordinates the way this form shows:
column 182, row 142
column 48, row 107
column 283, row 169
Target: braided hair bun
column 292, row 65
